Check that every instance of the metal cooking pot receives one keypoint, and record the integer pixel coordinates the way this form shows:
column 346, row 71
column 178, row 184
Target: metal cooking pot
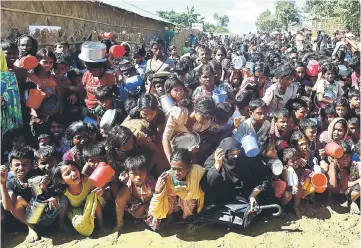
column 93, row 52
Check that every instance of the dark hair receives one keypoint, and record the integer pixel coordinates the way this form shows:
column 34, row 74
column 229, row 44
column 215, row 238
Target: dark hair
column 57, row 118
column 137, row 163
column 328, row 110
column 41, row 54
column 296, row 104
column 182, row 66
column 95, row 65
column 118, row 136
column 147, row 101
column 34, row 42
column 215, row 66
column 130, row 104
column 255, row 104
column 171, row 83
column 355, row 61
column 297, row 135
column 243, row 98
column 191, row 82
column 281, row 113
column 181, row 154
column 299, row 64
column 104, row 92
column 340, row 101
column 94, row 150
column 157, row 41
column 289, row 153
column 284, row 71
column 63, row 43
column 307, row 124
column 56, row 178
column 47, row 151
column 264, row 142
column 353, row 93
column 107, row 42
column 224, row 51
column 261, row 67
column 21, row 152
column 93, row 129
column 139, row 51
column 75, row 128
column 354, row 121
column 224, row 111
column 7, row 45
column 61, row 58
column 345, row 147
column 205, row 106
column 205, row 68
column 329, row 67
column 74, row 73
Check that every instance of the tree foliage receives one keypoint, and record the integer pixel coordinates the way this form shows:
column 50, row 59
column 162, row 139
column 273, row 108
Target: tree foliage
column 267, row 22
column 190, row 16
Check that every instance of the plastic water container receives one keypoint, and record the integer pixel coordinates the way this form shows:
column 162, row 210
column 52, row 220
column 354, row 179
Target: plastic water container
column 28, row 62
column 117, row 51
column 319, row 181
column 166, row 102
column 334, row 150
column 312, row 68
column 219, row 96
column 35, row 98
column 101, row 175
column 34, row 210
column 133, row 84
column 250, row 145
column 90, row 120
column 276, row 166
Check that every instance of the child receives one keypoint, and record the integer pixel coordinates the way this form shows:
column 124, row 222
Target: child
column 328, row 85
column 62, row 47
column 78, row 136
column 176, row 90
column 299, row 110
column 44, row 140
column 139, row 188
column 354, row 102
column 353, row 186
column 258, row 83
column 278, row 94
column 327, row 115
column 85, row 201
column 177, row 189
column 341, row 107
column 242, row 112
column 157, row 81
column 204, row 56
column 94, row 133
column 46, row 158
column 354, row 129
column 280, row 128
column 106, row 100
column 140, row 62
column 206, row 79
column 57, row 126
column 222, row 127
column 17, row 137
column 257, row 122
column 16, row 194
column 94, row 153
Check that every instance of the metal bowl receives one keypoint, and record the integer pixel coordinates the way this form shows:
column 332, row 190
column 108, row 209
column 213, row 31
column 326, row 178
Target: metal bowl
column 93, row 52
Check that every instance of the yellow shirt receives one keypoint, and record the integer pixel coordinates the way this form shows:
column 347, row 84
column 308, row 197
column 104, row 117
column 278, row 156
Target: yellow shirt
column 78, row 200
column 4, row 66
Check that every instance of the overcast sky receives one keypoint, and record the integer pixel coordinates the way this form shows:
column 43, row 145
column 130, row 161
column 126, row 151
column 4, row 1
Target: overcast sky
column 242, row 13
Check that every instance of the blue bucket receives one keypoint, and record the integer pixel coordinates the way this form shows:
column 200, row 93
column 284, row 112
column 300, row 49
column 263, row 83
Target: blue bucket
column 219, row 96
column 88, row 119
column 250, row 145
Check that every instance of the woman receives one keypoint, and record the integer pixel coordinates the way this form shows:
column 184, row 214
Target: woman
column 159, row 62
column 258, row 83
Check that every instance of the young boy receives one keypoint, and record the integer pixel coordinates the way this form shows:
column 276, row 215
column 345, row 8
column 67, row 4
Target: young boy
column 280, row 125
column 204, row 55
column 93, row 155
column 46, row 158
column 298, row 110
column 56, row 129
column 354, row 129
column 106, row 101
column 257, row 122
column 354, row 100
column 16, row 194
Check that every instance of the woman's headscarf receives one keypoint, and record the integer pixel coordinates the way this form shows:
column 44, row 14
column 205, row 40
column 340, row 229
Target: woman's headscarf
column 332, row 125
column 230, row 167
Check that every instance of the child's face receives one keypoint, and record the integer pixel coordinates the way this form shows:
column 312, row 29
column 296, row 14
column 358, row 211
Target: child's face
column 344, row 161
column 93, row 162
column 270, row 151
column 341, row 111
column 18, row 141
column 80, row 139
column 177, row 93
column 46, row 163
column 46, row 64
column 300, row 72
column 70, row 175
column 339, row 132
column 148, row 114
column 207, row 81
column 302, row 147
column 77, row 80
column 311, row 133
column 330, row 76
column 355, row 102
column 96, row 72
column 11, row 55
column 57, row 130
column 220, row 56
column 203, row 56
column 179, row 169
column 21, row 167
column 159, row 88
column 301, row 113
column 44, row 142
column 286, row 81
column 329, row 119
column 25, row 45
column 62, row 49
column 60, row 69
column 282, row 124
column 106, row 103
column 259, row 115
column 354, row 130
column 292, row 162
column 138, row 177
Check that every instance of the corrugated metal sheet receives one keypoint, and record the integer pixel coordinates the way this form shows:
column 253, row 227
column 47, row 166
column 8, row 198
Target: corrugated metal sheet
column 120, row 4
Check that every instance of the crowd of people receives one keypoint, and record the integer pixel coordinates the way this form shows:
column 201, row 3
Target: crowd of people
column 174, row 127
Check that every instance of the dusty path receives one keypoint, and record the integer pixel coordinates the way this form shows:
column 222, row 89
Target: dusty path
column 328, row 228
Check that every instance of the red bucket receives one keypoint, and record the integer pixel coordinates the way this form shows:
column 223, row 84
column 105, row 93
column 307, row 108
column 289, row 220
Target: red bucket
column 312, row 68
column 334, row 150
column 319, row 181
column 117, row 51
column 101, row 175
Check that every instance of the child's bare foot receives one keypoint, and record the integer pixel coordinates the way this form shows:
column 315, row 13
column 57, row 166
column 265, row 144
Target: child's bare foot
column 32, row 236
column 297, row 212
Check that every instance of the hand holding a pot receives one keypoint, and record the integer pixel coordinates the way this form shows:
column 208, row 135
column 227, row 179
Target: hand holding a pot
column 53, row 202
column 3, row 174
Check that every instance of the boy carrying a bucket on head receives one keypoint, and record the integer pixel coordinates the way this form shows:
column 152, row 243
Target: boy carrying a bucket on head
column 16, row 193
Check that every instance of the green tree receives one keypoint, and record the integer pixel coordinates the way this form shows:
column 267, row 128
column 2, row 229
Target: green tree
column 267, row 22
column 286, row 12
column 222, row 21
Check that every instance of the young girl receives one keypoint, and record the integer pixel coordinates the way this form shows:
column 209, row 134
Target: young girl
column 139, row 187
column 258, row 83
column 85, row 201
column 219, row 84
column 278, row 94
column 77, row 134
column 177, row 189
column 327, row 88
column 182, row 120
column 206, row 79
column 45, row 82
column 176, row 90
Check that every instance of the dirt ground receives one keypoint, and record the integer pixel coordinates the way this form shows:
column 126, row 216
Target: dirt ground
column 328, row 227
